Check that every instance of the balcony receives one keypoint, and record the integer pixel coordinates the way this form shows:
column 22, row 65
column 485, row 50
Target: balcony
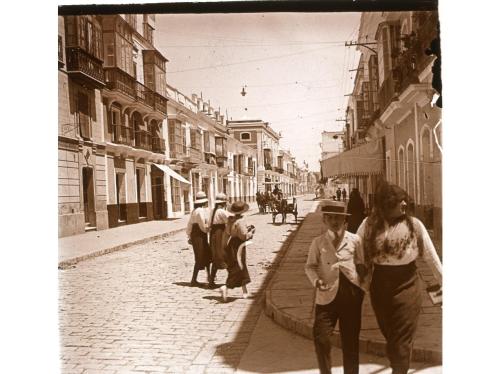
column 177, row 151
column 250, row 171
column 143, row 140
column 268, row 167
column 158, row 145
column 144, row 95
column 123, row 135
column 117, row 80
column 160, row 103
column 221, row 161
column 280, row 170
column 85, row 67
column 210, row 158
column 193, row 156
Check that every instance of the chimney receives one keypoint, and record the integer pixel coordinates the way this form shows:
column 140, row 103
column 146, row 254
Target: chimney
column 205, row 107
column 222, row 119
column 210, row 110
column 199, row 104
column 194, row 97
column 217, row 115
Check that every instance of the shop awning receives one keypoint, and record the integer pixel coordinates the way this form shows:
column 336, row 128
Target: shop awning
column 172, row 173
column 363, row 160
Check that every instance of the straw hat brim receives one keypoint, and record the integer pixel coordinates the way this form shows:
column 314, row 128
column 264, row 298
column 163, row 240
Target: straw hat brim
column 220, row 201
column 245, row 209
column 201, row 201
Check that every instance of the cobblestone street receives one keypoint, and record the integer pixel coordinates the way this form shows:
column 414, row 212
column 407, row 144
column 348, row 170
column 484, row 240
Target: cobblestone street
column 134, row 312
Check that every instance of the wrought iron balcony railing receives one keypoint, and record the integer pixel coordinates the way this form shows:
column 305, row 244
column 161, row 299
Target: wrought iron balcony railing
column 85, row 65
column 158, row 145
column 123, row 135
column 143, row 140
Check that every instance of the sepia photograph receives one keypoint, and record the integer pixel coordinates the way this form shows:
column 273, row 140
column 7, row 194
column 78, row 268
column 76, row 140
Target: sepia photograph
column 250, row 187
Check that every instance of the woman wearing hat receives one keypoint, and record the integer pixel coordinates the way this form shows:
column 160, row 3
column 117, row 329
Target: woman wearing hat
column 239, row 232
column 197, row 229
column 391, row 242
column 218, row 238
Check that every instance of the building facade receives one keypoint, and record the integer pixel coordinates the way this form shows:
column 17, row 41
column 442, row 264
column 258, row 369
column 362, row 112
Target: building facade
column 392, row 129
column 125, row 156
column 275, row 166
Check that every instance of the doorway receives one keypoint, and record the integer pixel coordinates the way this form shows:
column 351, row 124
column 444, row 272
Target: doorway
column 120, row 197
column 158, row 195
column 88, row 196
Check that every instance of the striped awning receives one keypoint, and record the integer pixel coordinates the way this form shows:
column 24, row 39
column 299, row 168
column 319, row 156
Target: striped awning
column 367, row 159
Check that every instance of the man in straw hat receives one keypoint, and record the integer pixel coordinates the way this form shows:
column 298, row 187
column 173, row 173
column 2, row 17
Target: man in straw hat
column 338, row 294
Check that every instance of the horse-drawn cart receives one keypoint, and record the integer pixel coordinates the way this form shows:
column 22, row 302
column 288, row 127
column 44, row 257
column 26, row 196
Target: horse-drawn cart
column 284, row 206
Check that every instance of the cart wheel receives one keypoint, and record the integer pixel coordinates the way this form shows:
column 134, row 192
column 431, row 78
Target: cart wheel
column 274, row 218
column 283, row 218
column 295, row 218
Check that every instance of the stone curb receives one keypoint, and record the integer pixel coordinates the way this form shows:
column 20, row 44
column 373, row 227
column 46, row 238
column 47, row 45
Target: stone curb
column 65, row 264
column 304, row 328
column 73, row 261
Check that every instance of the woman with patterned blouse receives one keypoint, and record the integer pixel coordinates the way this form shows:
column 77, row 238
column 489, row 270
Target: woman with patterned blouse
column 391, row 241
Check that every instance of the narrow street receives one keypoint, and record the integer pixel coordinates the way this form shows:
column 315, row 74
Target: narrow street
column 134, row 311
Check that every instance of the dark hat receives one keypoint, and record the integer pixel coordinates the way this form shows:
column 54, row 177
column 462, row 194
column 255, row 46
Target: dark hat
column 238, row 207
column 327, row 208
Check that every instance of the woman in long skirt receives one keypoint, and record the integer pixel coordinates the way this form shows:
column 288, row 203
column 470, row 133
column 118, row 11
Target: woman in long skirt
column 239, row 233
column 391, row 242
column 197, row 229
column 218, row 239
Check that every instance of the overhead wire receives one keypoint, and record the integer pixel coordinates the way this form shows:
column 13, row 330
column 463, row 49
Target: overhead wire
column 249, row 61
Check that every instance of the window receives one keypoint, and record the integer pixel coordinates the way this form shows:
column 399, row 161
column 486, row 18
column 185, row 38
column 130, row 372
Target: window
column 84, row 115
column 60, row 53
column 131, row 20
column 206, row 141
column 411, row 171
column 245, row 136
column 401, row 168
column 176, row 194
column 148, row 32
column 176, row 138
column 220, row 146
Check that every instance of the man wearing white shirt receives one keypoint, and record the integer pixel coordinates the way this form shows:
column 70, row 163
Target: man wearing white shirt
column 339, row 296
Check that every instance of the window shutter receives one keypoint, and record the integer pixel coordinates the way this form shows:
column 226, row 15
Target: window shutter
column 83, row 115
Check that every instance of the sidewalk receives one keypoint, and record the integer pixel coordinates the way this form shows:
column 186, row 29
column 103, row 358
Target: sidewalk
column 76, row 248
column 289, row 301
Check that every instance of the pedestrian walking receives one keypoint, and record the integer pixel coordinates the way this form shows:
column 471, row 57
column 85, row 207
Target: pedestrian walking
column 239, row 235
column 218, row 238
column 338, row 293
column 196, row 230
column 344, row 194
column 338, row 193
column 356, row 209
column 391, row 242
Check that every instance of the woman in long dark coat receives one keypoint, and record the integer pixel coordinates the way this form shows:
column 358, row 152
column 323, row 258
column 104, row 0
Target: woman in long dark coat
column 196, row 230
column 356, row 209
column 391, row 241
column 239, row 233
column 218, row 238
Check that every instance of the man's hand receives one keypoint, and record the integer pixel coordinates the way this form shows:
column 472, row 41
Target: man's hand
column 320, row 285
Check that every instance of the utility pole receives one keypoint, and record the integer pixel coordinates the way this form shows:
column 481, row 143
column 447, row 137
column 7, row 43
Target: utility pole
column 365, row 44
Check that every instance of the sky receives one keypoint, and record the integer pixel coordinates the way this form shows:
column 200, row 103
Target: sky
column 294, row 66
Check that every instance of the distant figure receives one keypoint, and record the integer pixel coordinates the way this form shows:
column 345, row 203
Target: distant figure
column 276, row 189
column 344, row 194
column 338, row 193
column 356, row 209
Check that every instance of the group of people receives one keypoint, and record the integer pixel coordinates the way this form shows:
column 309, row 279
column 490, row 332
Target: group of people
column 379, row 256
column 219, row 237
column 340, row 192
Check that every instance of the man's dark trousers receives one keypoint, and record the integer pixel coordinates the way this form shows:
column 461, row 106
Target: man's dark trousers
column 346, row 307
